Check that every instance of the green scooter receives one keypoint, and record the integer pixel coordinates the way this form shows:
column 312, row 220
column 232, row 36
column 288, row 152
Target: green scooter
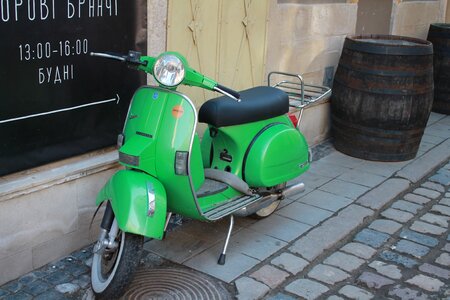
column 240, row 168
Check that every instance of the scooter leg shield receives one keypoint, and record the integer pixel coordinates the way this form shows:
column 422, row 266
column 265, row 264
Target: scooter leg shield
column 139, row 202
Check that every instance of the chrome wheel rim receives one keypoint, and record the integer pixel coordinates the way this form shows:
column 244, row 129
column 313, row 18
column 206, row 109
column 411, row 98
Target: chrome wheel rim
column 104, row 266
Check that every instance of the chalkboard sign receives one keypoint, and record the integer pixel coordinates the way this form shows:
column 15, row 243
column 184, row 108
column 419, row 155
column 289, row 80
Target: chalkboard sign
column 56, row 100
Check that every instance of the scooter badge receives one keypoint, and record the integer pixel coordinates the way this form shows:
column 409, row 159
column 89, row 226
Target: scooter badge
column 177, row 111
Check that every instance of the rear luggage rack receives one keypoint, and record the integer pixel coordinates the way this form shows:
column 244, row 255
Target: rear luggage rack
column 300, row 94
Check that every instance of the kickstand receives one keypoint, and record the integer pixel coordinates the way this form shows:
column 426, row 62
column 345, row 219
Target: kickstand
column 169, row 214
column 223, row 254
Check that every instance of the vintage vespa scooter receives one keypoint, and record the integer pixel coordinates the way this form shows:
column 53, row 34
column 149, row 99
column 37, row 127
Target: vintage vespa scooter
column 240, row 168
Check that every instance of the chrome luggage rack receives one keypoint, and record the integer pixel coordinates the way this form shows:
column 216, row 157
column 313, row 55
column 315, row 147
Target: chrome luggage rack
column 301, row 95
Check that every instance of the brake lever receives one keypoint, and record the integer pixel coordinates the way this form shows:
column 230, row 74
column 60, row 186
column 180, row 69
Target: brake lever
column 133, row 57
column 109, row 56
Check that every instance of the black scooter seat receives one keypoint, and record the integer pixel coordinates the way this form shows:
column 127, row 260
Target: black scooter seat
column 258, row 103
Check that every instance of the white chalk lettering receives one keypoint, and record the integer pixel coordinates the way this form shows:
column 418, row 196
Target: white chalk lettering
column 31, row 10
column 55, row 75
column 70, row 10
column 45, row 8
column 16, row 6
column 41, row 10
column 4, row 6
column 80, row 4
column 100, row 8
column 91, row 8
column 41, row 76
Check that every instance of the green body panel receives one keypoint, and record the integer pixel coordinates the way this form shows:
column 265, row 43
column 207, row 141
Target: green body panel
column 167, row 126
column 279, row 154
column 206, row 149
column 197, row 173
column 127, row 190
column 235, row 140
column 142, row 128
column 273, row 149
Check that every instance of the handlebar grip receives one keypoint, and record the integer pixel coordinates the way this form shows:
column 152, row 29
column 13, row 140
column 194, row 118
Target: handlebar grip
column 229, row 91
column 133, row 57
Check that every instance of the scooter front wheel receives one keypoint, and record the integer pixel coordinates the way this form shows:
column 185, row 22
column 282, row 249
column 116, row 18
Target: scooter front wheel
column 113, row 270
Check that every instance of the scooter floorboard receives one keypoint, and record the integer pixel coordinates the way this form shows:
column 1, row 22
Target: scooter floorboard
column 230, row 206
column 211, row 187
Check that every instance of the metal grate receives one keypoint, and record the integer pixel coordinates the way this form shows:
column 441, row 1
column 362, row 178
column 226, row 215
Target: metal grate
column 176, row 284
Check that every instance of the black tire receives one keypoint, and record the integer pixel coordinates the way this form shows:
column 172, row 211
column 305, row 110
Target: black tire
column 123, row 263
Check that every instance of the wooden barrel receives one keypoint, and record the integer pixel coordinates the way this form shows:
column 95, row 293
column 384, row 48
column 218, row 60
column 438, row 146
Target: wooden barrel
column 439, row 35
column 382, row 96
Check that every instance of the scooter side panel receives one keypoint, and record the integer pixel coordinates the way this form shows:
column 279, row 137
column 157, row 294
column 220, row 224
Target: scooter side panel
column 230, row 144
column 130, row 193
column 161, row 123
column 206, row 148
column 253, row 150
column 277, row 155
column 141, row 128
column 178, row 135
column 236, row 140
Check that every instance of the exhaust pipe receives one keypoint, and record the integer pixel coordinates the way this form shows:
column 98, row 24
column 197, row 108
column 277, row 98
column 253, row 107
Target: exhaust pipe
column 267, row 200
column 293, row 189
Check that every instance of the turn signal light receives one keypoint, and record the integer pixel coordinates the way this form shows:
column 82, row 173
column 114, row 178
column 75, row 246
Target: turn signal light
column 181, row 160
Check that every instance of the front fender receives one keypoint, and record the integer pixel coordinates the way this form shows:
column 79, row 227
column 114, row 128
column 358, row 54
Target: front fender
column 129, row 193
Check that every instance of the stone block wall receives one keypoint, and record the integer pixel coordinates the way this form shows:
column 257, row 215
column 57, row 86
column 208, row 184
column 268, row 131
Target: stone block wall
column 306, row 39
column 45, row 212
column 413, row 18
column 447, row 15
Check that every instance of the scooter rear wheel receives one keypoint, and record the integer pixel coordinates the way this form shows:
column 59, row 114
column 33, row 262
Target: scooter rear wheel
column 267, row 211
column 113, row 270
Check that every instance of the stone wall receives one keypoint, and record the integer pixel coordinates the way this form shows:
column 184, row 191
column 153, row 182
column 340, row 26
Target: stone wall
column 45, row 212
column 447, row 17
column 374, row 17
column 306, row 39
column 413, row 18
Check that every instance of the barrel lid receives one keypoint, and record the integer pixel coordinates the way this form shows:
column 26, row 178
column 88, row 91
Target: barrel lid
column 439, row 30
column 388, row 45
column 441, row 25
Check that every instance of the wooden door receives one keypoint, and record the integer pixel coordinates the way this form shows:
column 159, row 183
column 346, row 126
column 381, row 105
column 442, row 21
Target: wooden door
column 223, row 39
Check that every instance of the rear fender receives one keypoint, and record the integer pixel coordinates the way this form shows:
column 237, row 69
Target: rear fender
column 131, row 195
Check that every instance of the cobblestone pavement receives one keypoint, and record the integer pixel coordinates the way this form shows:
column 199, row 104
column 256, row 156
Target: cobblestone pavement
column 360, row 230
column 402, row 253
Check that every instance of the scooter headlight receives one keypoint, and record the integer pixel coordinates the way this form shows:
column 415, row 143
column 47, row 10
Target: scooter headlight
column 169, row 70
